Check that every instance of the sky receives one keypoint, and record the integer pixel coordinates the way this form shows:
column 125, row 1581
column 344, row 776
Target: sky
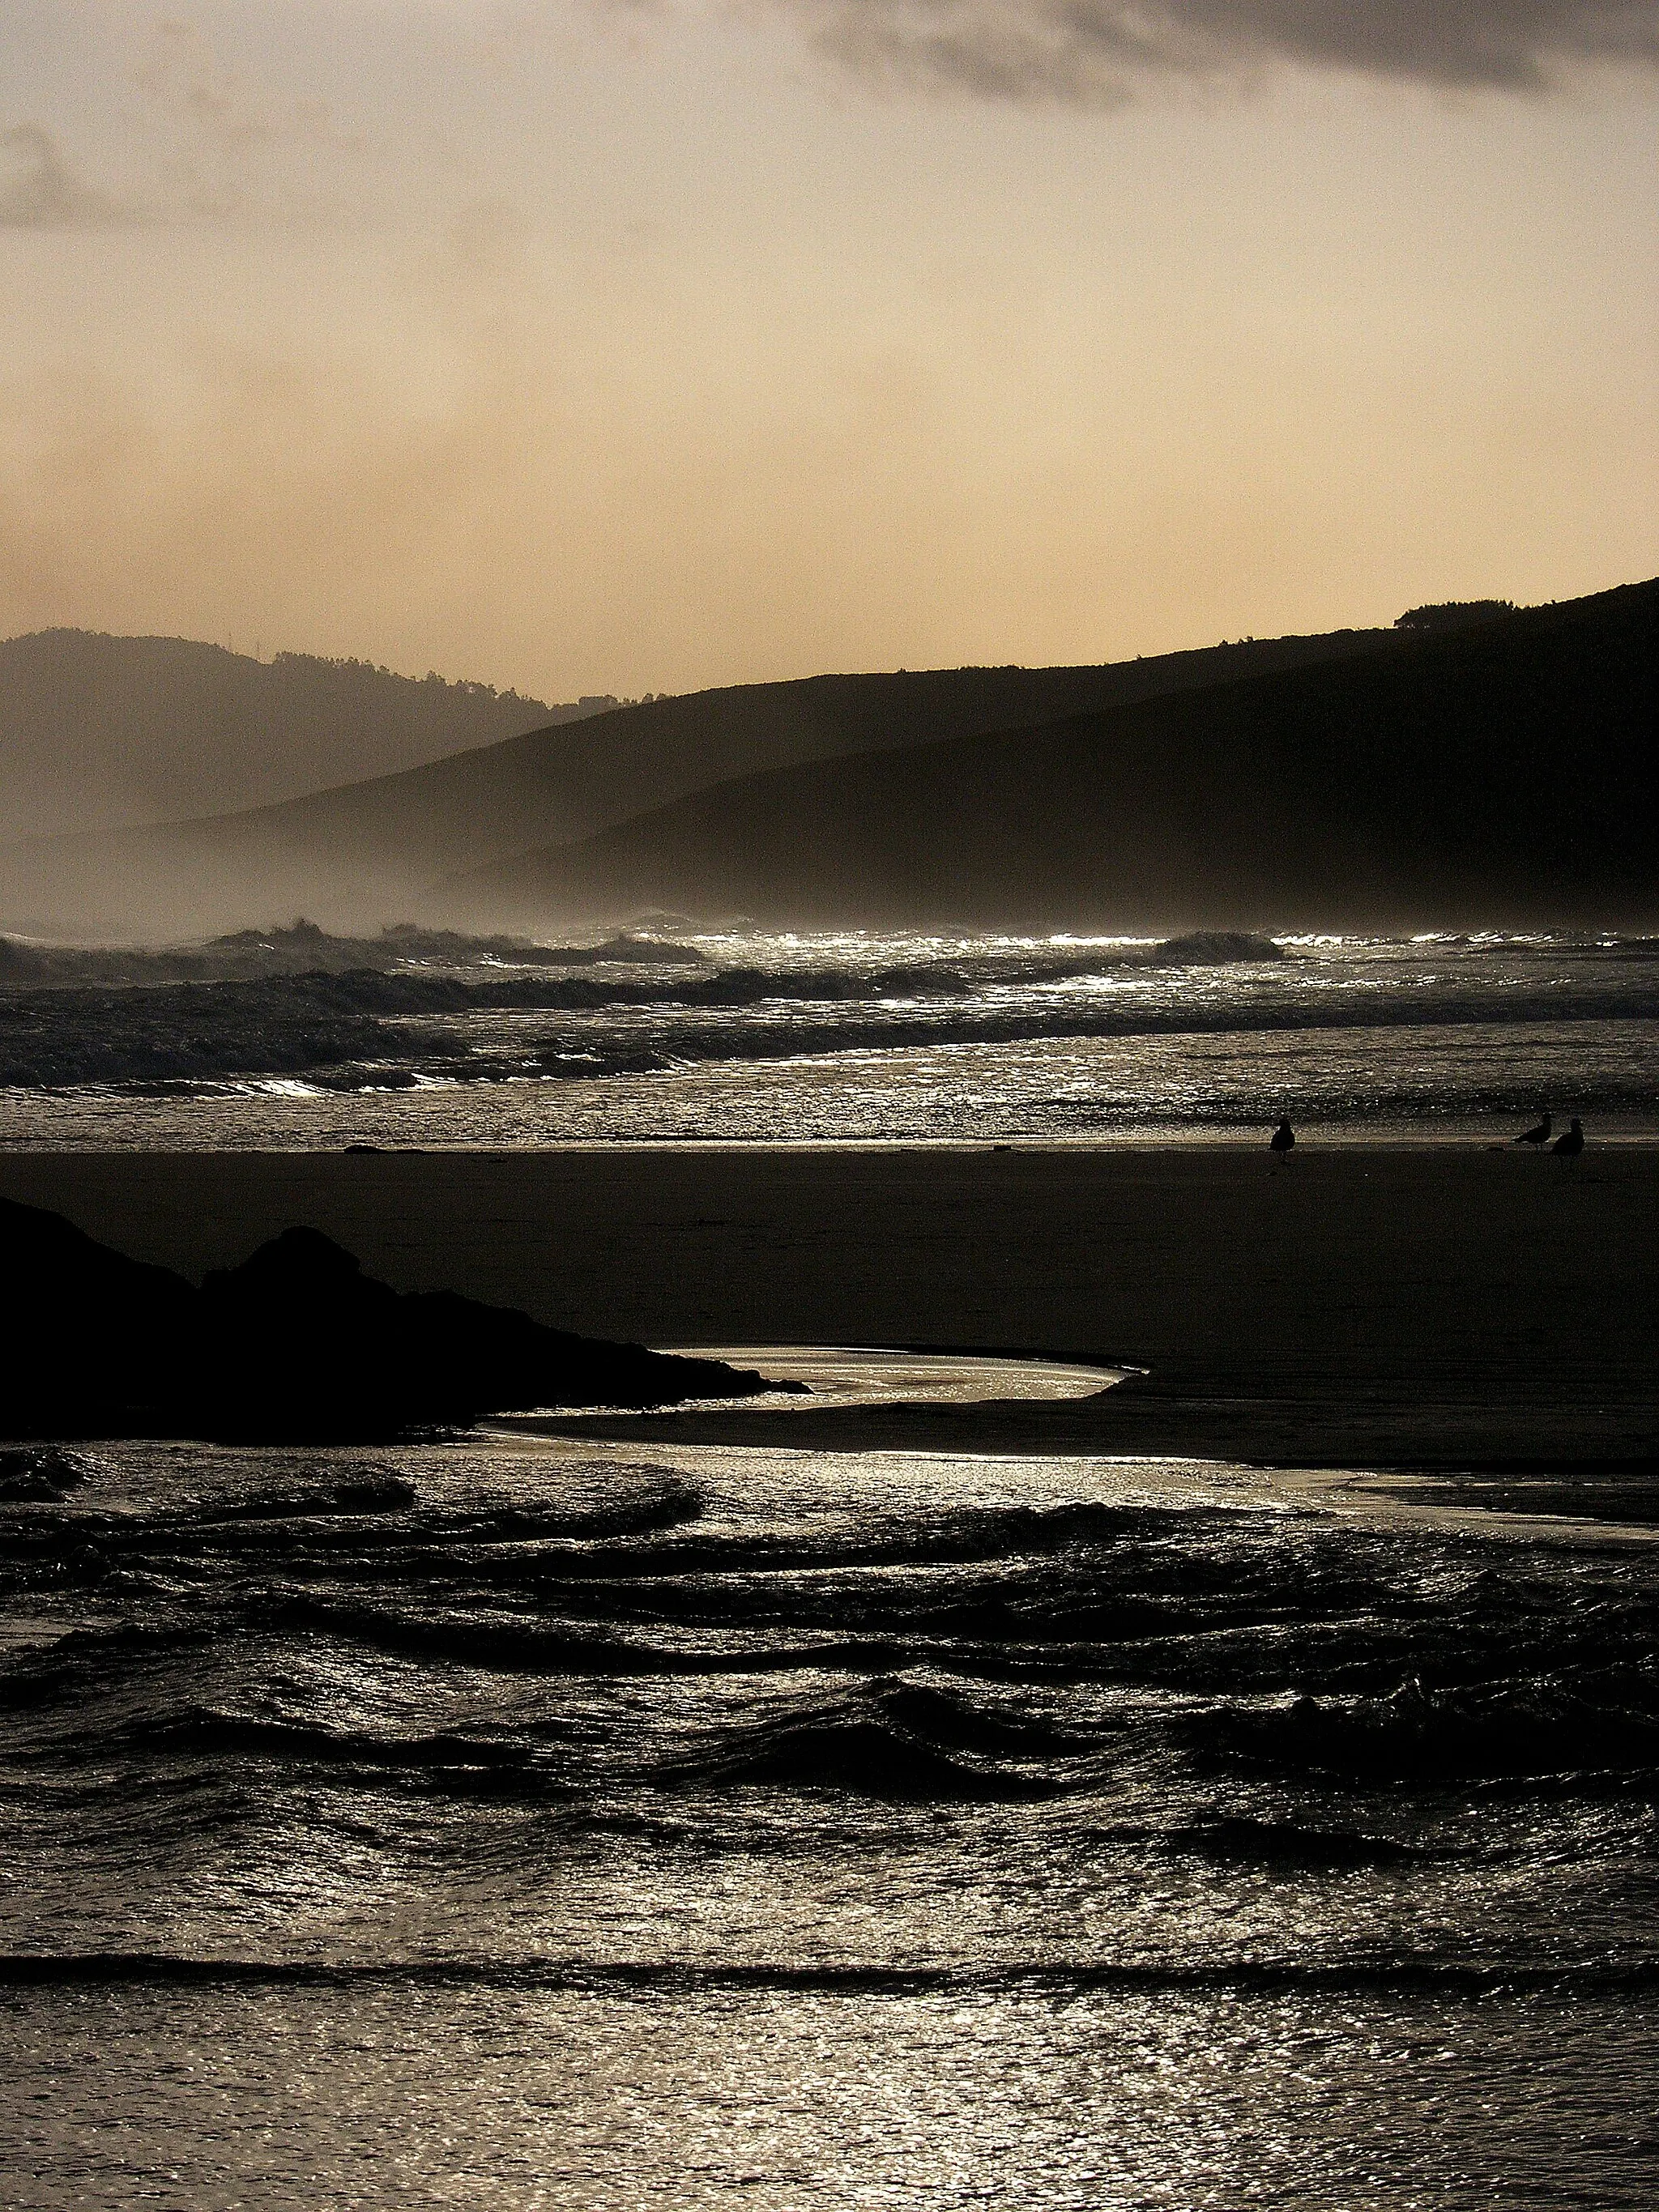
column 642, row 345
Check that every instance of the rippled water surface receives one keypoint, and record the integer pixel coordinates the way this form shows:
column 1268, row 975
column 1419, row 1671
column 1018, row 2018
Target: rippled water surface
column 831, row 1038
column 514, row 1822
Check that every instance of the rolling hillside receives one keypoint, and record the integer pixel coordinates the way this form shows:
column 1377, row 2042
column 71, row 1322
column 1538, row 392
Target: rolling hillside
column 359, row 853
column 98, row 731
column 1503, row 773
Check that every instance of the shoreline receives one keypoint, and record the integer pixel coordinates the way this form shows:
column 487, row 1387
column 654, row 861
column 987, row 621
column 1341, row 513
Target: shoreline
column 1580, row 1501
column 1442, row 1311
column 1391, row 1452
column 1615, row 1131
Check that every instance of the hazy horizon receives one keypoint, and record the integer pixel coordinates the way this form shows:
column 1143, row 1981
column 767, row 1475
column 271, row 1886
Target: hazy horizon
column 1346, row 781
column 647, row 349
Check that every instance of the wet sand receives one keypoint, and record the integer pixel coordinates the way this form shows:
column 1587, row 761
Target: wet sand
column 1487, row 1313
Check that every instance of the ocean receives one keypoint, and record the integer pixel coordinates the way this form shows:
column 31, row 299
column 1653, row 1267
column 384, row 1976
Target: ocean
column 523, row 1822
column 852, row 1039
column 518, row 1821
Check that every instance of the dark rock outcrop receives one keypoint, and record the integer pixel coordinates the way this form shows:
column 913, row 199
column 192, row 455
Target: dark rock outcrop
column 1215, row 948
column 632, row 948
column 297, row 1343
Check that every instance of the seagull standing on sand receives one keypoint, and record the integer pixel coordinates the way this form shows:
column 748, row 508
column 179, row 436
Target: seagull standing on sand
column 1282, row 1138
column 1572, row 1143
column 1540, row 1135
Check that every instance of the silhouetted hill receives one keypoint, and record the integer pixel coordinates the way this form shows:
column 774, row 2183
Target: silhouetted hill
column 296, row 1342
column 358, row 855
column 98, row 731
column 1501, row 773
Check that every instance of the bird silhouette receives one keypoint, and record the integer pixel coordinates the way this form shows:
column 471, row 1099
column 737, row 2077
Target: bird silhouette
column 1282, row 1138
column 1539, row 1135
column 1572, row 1143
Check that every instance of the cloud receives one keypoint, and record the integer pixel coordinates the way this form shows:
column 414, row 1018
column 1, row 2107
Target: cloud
column 39, row 191
column 1105, row 53
column 207, row 148
column 229, row 150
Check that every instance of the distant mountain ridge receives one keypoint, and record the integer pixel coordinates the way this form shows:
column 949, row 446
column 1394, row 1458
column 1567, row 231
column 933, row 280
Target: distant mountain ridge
column 1501, row 771
column 97, row 730
column 358, row 855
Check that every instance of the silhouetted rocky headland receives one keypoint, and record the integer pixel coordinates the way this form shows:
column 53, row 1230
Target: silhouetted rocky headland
column 297, row 1343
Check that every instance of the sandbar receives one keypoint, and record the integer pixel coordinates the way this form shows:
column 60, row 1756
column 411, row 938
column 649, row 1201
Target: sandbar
column 1484, row 1314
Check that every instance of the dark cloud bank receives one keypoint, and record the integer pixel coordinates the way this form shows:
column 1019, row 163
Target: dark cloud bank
column 1104, row 52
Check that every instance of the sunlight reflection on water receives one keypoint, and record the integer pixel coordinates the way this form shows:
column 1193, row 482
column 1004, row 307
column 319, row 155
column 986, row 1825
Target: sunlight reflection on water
column 1408, row 1085
column 868, row 1038
column 584, row 1825
column 295, row 2099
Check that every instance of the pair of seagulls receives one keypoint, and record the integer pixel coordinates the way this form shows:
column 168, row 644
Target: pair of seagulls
column 1571, row 1143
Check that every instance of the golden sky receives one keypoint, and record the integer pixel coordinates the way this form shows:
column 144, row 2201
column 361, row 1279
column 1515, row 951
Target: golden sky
column 634, row 346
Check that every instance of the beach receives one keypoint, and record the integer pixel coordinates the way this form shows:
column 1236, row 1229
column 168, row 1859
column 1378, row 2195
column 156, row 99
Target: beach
column 1431, row 1308
column 601, row 1809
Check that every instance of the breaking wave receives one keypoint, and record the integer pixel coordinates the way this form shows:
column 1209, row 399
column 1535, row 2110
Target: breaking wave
column 403, row 1026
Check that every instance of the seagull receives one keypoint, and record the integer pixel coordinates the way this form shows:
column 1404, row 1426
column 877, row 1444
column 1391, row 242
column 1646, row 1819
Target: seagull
column 1572, row 1143
column 1540, row 1135
column 1282, row 1138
